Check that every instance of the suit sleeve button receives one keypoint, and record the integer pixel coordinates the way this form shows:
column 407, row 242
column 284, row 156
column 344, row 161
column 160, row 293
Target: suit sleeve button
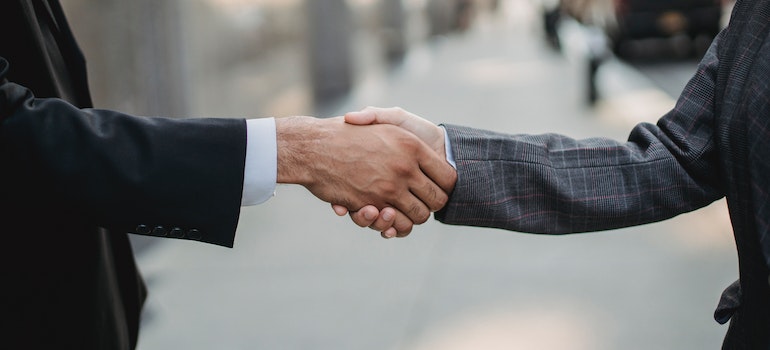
column 194, row 234
column 176, row 232
column 159, row 231
column 142, row 229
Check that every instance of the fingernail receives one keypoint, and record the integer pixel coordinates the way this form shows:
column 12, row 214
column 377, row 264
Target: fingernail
column 388, row 215
column 368, row 215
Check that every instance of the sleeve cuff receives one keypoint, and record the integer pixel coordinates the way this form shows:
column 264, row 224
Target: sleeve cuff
column 450, row 157
column 260, row 170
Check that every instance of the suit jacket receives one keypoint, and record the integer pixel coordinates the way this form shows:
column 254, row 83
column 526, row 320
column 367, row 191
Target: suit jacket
column 714, row 143
column 75, row 180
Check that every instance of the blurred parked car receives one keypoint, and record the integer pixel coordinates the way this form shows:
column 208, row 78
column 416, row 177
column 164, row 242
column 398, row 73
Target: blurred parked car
column 624, row 20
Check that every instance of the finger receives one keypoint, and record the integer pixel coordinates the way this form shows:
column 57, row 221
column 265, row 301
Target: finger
column 425, row 130
column 365, row 216
column 363, row 117
column 429, row 193
column 389, row 233
column 438, row 170
column 374, row 115
column 414, row 208
column 393, row 115
column 435, row 180
column 385, row 220
column 402, row 225
column 339, row 210
column 418, row 199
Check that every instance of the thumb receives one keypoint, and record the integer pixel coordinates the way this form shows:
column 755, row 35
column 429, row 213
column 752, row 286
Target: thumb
column 428, row 132
column 374, row 115
column 364, row 117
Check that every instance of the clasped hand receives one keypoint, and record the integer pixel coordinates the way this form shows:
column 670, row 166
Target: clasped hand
column 385, row 167
column 390, row 221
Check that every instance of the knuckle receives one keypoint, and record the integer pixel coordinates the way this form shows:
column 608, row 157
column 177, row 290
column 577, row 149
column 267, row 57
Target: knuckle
column 389, row 190
column 378, row 226
column 402, row 169
column 404, row 226
column 359, row 220
column 414, row 145
column 441, row 199
column 419, row 215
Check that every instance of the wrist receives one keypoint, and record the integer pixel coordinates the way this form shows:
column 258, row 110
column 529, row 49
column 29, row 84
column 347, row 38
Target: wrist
column 296, row 139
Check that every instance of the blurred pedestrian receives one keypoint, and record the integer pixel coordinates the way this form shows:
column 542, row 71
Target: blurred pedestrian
column 715, row 143
column 76, row 180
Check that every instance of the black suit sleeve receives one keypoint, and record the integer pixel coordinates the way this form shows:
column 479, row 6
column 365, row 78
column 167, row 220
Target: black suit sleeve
column 169, row 177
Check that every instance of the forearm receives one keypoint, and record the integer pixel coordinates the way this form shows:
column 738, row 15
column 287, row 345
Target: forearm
column 554, row 184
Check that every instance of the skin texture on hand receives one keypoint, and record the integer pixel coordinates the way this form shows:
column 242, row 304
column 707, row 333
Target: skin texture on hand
column 389, row 221
column 355, row 166
column 426, row 131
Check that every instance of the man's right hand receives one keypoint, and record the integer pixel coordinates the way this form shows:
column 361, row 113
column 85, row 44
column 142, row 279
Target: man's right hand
column 390, row 222
column 354, row 166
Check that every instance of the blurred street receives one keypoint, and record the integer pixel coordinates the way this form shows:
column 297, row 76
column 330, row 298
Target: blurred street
column 300, row 277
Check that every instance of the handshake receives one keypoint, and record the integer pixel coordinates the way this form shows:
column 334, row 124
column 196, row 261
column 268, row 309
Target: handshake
column 386, row 167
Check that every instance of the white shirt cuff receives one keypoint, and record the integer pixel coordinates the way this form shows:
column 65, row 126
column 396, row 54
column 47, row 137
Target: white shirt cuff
column 450, row 157
column 261, row 168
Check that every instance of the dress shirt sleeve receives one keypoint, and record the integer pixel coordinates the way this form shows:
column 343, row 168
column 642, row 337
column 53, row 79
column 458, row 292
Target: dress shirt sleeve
column 260, row 170
column 450, row 157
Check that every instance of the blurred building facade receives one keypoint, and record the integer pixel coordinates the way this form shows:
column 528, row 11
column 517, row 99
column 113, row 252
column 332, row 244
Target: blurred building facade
column 246, row 58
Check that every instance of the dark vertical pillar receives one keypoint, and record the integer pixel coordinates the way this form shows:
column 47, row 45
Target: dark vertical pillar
column 329, row 40
column 159, row 61
column 134, row 52
column 393, row 29
column 439, row 14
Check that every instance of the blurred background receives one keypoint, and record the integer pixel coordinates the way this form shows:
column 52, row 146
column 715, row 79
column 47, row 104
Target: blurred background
column 302, row 278
column 273, row 57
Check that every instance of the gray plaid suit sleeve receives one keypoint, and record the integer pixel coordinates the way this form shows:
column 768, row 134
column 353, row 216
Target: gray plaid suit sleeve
column 554, row 184
column 714, row 143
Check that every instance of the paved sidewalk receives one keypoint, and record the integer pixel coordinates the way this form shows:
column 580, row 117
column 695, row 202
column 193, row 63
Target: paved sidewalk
column 302, row 278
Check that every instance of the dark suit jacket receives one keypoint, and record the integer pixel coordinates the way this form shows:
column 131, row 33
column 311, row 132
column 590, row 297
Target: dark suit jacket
column 74, row 181
column 714, row 143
